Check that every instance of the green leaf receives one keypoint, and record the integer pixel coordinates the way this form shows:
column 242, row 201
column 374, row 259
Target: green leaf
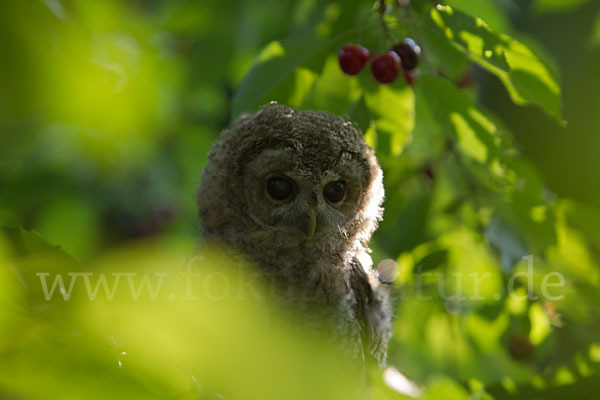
column 392, row 108
column 441, row 54
column 359, row 114
column 335, row 91
column 429, row 141
column 526, row 210
column 30, row 254
column 583, row 217
column 445, row 388
column 557, row 6
column 490, row 11
column 278, row 61
column 507, row 240
column 595, row 36
column 527, row 78
column 72, row 223
column 457, row 115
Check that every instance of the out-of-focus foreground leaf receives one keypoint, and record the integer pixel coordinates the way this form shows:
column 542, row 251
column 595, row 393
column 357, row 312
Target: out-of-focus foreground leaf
column 153, row 320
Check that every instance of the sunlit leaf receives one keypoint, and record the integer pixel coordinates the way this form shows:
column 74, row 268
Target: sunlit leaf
column 488, row 10
column 442, row 55
column 392, row 109
column 584, row 217
column 472, row 272
column 8, row 290
column 540, row 324
column 444, row 388
column 456, row 113
column 572, row 250
column 277, row 62
column 526, row 77
column 487, row 333
column 335, row 91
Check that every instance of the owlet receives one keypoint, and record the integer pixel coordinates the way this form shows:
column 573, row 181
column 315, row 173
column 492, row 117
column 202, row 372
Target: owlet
column 299, row 193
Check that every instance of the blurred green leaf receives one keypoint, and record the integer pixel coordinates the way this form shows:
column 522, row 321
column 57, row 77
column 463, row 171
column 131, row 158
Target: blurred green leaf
column 595, row 36
column 443, row 388
column 507, row 240
column 145, row 347
column 557, row 6
column 31, row 255
column 583, row 217
column 580, row 389
column 73, row 223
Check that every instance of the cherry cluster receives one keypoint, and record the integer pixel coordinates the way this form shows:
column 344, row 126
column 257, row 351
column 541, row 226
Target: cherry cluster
column 386, row 67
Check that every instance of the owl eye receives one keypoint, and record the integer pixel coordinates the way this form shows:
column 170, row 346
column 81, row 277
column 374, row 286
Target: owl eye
column 280, row 188
column 334, row 191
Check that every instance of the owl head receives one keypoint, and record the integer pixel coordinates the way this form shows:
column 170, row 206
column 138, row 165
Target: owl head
column 286, row 180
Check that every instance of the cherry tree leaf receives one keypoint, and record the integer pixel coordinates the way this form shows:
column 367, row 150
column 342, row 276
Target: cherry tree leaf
column 454, row 111
column 526, row 77
column 275, row 74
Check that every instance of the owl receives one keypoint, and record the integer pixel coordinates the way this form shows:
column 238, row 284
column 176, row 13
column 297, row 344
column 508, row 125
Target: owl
column 299, row 193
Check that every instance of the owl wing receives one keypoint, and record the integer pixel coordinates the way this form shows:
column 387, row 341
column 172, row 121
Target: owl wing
column 373, row 311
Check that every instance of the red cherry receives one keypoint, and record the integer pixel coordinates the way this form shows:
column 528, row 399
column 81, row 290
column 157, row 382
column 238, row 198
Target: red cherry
column 520, row 348
column 410, row 77
column 352, row 58
column 466, row 80
column 386, row 67
column 429, row 172
column 409, row 53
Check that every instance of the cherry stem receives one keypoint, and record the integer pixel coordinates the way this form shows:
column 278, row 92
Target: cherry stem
column 381, row 9
column 405, row 13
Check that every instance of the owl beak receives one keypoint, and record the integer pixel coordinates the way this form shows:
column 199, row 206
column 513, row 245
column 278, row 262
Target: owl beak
column 312, row 222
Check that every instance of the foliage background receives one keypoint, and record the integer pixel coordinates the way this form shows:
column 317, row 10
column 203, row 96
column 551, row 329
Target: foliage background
column 107, row 111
